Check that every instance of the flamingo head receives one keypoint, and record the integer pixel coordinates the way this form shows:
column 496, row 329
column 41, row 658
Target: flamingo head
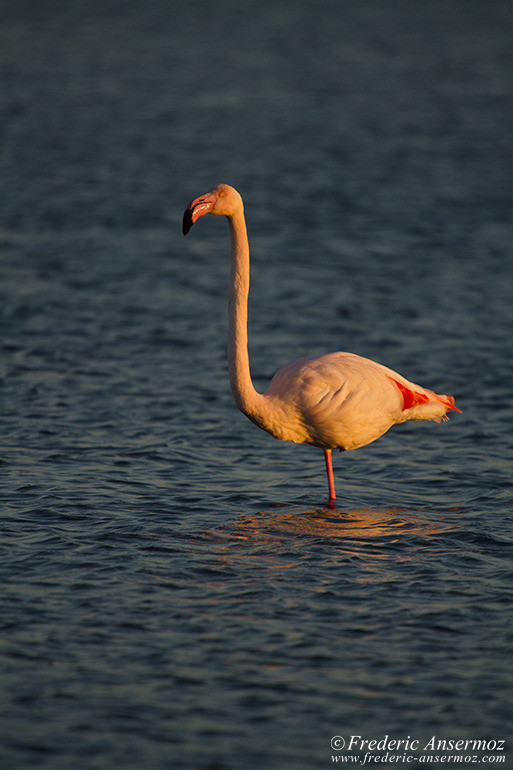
column 223, row 199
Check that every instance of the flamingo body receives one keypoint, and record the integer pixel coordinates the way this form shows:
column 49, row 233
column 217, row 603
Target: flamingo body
column 344, row 401
column 334, row 401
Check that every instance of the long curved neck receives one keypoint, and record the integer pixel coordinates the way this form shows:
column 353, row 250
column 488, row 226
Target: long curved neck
column 245, row 394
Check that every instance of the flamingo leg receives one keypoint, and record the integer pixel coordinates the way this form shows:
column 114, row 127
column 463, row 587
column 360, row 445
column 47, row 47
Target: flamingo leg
column 329, row 471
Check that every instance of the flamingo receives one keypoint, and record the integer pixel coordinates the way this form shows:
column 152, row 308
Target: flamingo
column 333, row 401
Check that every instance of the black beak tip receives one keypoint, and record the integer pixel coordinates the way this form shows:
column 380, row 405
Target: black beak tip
column 187, row 221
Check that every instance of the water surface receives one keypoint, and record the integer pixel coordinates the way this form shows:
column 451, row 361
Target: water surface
column 174, row 592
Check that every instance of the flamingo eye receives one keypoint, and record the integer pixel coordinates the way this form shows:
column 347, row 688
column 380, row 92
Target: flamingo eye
column 221, row 194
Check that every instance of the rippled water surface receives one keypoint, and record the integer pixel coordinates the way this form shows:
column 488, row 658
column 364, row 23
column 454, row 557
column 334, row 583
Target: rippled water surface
column 174, row 592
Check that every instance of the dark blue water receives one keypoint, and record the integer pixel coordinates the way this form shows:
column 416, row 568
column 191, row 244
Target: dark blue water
column 174, row 594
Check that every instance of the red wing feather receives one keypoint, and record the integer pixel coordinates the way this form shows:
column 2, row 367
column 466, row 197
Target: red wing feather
column 413, row 398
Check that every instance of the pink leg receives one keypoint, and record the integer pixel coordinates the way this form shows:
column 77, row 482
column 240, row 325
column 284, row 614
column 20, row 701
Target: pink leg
column 329, row 471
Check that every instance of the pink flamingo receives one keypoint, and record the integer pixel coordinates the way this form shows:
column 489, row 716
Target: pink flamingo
column 334, row 401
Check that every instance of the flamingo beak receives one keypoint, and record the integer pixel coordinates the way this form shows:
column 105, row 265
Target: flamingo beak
column 196, row 209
